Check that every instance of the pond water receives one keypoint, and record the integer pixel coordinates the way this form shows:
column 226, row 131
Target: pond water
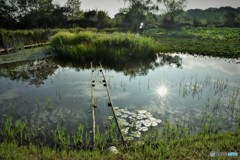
column 47, row 92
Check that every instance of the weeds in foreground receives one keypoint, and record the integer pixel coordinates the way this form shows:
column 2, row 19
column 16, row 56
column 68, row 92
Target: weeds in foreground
column 61, row 138
column 176, row 141
column 20, row 127
column 192, row 147
column 8, row 131
column 167, row 141
column 78, row 138
column 17, row 131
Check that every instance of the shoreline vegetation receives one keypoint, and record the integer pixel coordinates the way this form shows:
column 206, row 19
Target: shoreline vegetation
column 179, row 140
column 193, row 147
column 207, row 41
column 103, row 46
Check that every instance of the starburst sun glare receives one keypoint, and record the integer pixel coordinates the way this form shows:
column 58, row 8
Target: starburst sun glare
column 162, row 91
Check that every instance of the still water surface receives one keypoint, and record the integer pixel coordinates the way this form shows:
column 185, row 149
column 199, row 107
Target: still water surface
column 47, row 92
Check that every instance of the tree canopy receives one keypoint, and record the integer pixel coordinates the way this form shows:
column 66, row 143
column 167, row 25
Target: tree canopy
column 139, row 14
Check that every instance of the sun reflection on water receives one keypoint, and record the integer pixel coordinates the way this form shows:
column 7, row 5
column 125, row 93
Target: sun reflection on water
column 162, row 91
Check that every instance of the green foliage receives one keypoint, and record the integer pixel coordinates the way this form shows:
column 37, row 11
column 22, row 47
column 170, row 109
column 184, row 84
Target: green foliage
column 17, row 131
column 173, row 9
column 107, row 43
column 20, row 128
column 19, row 38
column 61, row 139
column 78, row 138
column 191, row 147
column 138, row 16
column 112, row 132
column 74, row 9
column 8, row 131
column 97, row 19
column 91, row 45
column 173, row 142
column 7, row 17
column 100, row 139
column 219, row 17
column 219, row 42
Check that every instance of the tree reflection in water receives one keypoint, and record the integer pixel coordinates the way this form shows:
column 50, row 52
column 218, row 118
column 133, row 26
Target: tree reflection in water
column 130, row 67
column 35, row 72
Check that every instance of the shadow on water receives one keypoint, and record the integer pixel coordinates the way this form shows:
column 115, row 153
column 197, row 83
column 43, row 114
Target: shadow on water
column 35, row 72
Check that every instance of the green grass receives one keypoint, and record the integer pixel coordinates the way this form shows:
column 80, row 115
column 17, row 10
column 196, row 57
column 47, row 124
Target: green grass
column 192, row 147
column 111, row 46
column 19, row 38
column 219, row 42
column 186, row 139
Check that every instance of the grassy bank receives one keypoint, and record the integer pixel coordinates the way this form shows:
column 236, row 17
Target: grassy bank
column 103, row 46
column 19, row 38
column 219, row 42
column 186, row 139
column 192, row 147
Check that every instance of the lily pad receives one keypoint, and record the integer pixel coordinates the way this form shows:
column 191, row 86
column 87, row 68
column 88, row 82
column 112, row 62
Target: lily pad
column 110, row 117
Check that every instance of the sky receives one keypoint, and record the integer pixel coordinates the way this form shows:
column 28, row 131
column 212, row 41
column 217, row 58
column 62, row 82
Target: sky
column 113, row 6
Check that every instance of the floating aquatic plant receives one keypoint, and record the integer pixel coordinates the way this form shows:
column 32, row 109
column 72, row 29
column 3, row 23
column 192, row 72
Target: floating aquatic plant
column 133, row 123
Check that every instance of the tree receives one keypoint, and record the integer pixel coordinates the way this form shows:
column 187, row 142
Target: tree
column 95, row 18
column 74, row 11
column 44, row 14
column 230, row 20
column 103, row 20
column 196, row 22
column 135, row 14
column 58, row 18
column 173, row 8
column 32, row 14
column 26, row 6
column 7, row 14
column 89, row 19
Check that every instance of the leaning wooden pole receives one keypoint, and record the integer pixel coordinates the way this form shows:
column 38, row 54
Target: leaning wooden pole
column 110, row 104
column 93, row 107
column 7, row 50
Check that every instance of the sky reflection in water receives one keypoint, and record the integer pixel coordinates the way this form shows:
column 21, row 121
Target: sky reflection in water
column 176, row 86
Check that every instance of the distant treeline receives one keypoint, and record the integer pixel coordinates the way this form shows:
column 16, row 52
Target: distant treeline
column 28, row 14
column 224, row 16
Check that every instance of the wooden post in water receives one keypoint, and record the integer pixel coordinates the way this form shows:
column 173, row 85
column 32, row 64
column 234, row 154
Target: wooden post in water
column 93, row 107
column 110, row 104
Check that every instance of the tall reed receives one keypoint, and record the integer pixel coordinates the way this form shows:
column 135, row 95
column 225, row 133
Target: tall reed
column 112, row 46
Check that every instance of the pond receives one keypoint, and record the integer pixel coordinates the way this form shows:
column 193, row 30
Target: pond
column 145, row 93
